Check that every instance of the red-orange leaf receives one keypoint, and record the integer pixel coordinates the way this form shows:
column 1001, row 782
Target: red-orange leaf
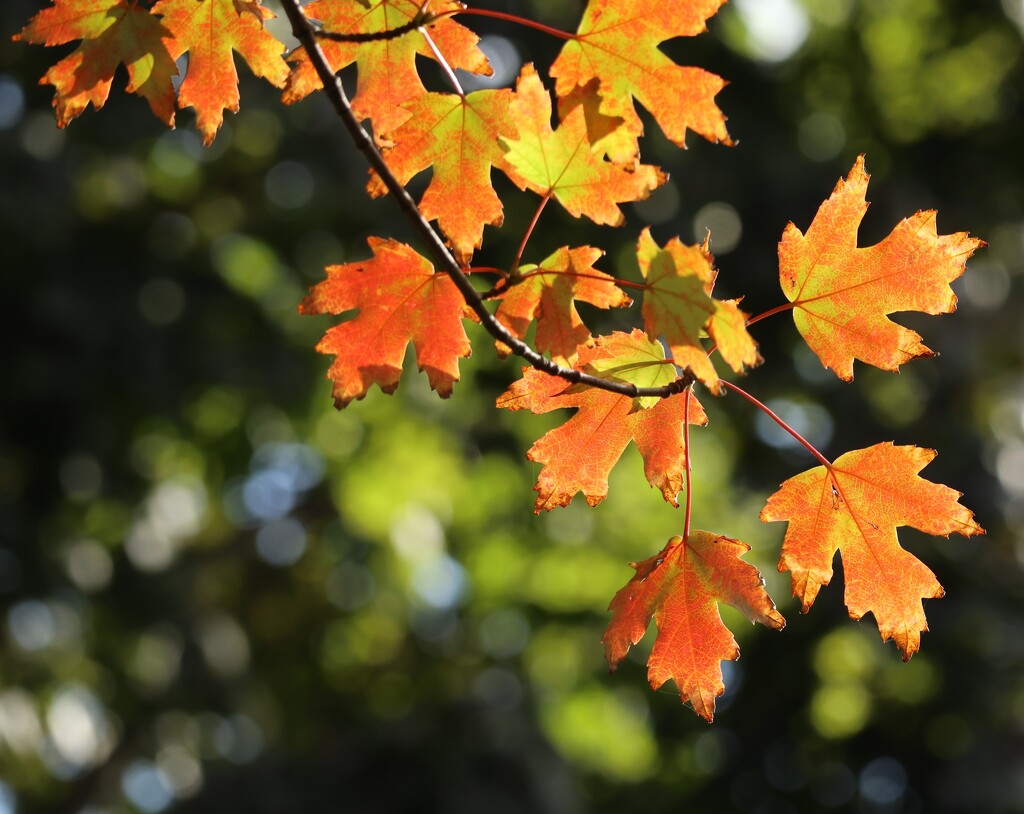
column 842, row 294
column 579, row 455
column 387, row 68
column 112, row 32
column 681, row 588
column 855, row 506
column 400, row 299
column 678, row 305
column 617, row 42
column 563, row 164
column 458, row 137
column 546, row 293
column 210, row 31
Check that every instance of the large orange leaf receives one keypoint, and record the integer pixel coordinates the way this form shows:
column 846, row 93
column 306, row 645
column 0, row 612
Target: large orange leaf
column 617, row 43
column 210, row 31
column 842, row 294
column 546, row 293
column 458, row 137
column 855, row 506
column 579, row 455
column 562, row 162
column 678, row 305
column 387, row 68
column 400, row 299
column 112, row 32
column 681, row 588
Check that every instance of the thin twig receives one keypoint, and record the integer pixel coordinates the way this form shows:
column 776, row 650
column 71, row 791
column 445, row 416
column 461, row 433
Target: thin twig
column 306, row 35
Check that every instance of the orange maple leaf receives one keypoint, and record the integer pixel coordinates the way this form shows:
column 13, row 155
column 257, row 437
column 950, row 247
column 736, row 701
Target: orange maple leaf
column 400, row 299
column 678, row 305
column 387, row 68
column 681, row 588
column 210, row 30
column 562, row 163
column 617, row 43
column 458, row 137
column 546, row 293
column 112, row 32
column 616, row 137
column 841, row 294
column 855, row 506
column 579, row 455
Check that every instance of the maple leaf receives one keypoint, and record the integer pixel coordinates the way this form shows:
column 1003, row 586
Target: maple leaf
column 546, row 293
column 841, row 294
column 400, row 299
column 617, row 43
column 855, row 506
column 561, row 162
column 681, row 588
column 210, row 30
column 112, row 32
column 678, row 305
column 457, row 136
column 387, row 68
column 579, row 455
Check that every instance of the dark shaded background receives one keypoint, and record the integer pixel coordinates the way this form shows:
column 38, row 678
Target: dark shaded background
column 218, row 594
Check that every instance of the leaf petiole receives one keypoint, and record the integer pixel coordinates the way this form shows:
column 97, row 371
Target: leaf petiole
column 511, row 18
column 778, row 420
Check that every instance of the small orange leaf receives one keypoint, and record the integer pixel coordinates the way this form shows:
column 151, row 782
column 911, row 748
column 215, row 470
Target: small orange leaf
column 579, row 455
column 842, row 294
column 210, row 31
column 855, row 506
column 400, row 299
column 681, row 588
column 546, row 293
column 458, row 137
column 112, row 32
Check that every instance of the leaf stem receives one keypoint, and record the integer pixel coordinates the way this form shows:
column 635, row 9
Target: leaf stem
column 540, row 272
column 448, row 72
column 513, row 272
column 688, row 470
column 512, row 18
column 775, row 417
column 305, row 33
column 789, row 306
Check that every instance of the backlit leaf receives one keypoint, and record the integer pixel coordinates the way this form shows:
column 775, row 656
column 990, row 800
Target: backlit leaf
column 617, row 43
column 680, row 588
column 400, row 299
column 842, row 293
column 579, row 455
column 855, row 506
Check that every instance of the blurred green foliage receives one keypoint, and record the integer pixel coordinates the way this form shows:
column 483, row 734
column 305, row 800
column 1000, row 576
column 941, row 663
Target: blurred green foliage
column 219, row 594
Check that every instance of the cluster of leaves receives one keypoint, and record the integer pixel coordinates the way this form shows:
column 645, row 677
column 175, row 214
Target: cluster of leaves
column 636, row 386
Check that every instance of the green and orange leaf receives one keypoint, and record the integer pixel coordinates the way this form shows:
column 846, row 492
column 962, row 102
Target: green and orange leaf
column 579, row 455
column 112, row 32
column 210, row 31
column 387, row 75
column 678, row 305
column 681, row 588
column 855, row 506
column 617, row 44
column 547, row 293
column 842, row 294
column 562, row 163
column 400, row 300
column 458, row 137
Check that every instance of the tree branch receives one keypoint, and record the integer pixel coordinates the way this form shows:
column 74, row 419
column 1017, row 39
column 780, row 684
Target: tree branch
column 306, row 34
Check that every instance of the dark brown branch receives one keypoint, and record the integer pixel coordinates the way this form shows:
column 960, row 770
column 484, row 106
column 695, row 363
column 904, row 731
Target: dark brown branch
column 306, row 34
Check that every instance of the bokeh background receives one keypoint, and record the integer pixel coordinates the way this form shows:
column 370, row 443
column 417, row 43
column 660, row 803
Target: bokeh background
column 218, row 594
